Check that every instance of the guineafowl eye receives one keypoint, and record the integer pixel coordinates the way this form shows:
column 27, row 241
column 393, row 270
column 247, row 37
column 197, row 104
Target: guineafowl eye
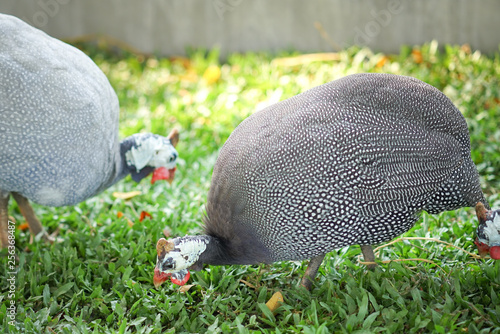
column 167, row 266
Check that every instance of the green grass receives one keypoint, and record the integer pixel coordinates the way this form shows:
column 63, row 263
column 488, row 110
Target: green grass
column 98, row 279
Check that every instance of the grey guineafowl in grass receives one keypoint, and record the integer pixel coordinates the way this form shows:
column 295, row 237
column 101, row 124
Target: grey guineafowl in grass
column 59, row 127
column 351, row 162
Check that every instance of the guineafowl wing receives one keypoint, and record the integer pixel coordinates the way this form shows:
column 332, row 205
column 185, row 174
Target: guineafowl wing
column 398, row 165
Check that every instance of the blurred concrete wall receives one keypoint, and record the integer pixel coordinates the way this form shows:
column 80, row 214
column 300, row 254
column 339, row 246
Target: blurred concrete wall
column 167, row 27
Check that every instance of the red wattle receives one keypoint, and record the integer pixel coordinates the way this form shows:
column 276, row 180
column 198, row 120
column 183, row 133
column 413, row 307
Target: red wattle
column 482, row 248
column 184, row 280
column 495, row 252
column 162, row 173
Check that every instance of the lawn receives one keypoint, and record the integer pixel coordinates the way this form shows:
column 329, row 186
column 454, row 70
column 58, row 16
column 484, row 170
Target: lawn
column 98, row 278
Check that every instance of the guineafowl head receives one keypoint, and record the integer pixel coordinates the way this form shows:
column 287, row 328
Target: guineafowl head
column 176, row 256
column 149, row 153
column 488, row 232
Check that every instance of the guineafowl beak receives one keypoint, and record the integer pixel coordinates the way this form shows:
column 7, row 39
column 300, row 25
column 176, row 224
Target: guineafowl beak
column 162, row 173
column 159, row 278
column 482, row 248
column 181, row 277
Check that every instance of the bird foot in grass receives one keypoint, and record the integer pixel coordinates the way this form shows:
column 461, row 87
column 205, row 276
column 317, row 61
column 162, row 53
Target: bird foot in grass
column 371, row 266
column 50, row 238
column 369, row 256
column 311, row 271
column 306, row 282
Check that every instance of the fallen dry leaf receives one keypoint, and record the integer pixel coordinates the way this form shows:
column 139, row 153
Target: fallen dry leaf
column 382, row 61
column 212, row 74
column 250, row 285
column 275, row 301
column 143, row 215
column 185, row 288
column 126, row 196
column 120, row 215
column 417, row 56
column 23, row 226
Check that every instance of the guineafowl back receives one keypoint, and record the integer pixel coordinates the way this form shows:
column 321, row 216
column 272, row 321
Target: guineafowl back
column 58, row 118
column 353, row 161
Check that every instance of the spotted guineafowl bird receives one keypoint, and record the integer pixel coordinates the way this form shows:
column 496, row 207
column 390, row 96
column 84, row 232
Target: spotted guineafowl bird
column 59, row 127
column 351, row 162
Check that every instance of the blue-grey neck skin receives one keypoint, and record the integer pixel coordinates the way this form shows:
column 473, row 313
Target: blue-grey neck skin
column 242, row 249
column 123, row 168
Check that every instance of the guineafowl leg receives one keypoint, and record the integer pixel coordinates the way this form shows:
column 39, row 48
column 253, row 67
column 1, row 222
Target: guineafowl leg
column 28, row 213
column 311, row 271
column 368, row 255
column 4, row 219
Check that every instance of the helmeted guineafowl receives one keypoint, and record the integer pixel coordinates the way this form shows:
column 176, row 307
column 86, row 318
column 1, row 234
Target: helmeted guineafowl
column 488, row 231
column 354, row 161
column 59, row 127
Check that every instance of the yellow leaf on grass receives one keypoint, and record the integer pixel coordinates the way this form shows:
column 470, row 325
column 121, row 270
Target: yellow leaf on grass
column 120, row 215
column 275, row 301
column 185, row 288
column 126, row 196
column 250, row 285
column 212, row 74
